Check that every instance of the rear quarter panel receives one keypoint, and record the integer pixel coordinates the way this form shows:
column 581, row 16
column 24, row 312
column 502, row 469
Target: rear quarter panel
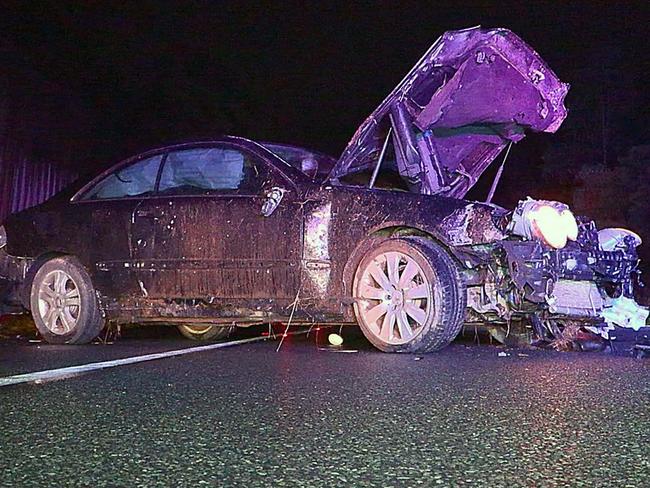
column 50, row 227
column 92, row 232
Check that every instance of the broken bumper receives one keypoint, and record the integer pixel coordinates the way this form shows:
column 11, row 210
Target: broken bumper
column 579, row 282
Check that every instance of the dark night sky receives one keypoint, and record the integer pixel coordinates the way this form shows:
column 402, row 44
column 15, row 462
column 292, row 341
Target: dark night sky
column 147, row 73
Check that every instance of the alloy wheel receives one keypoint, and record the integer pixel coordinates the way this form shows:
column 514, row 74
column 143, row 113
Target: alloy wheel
column 393, row 297
column 59, row 302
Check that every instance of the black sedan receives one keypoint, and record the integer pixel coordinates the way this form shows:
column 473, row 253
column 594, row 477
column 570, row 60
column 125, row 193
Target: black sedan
column 215, row 234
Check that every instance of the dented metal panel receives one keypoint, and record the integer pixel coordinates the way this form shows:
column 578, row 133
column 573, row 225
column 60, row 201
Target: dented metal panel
column 472, row 224
column 472, row 93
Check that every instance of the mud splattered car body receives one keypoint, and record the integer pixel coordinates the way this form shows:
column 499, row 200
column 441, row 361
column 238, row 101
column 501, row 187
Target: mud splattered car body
column 382, row 235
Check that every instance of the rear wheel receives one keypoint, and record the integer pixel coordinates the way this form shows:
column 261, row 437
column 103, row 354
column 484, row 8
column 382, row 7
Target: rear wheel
column 202, row 332
column 409, row 296
column 64, row 304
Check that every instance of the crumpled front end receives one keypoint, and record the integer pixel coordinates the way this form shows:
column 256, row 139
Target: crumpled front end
column 561, row 272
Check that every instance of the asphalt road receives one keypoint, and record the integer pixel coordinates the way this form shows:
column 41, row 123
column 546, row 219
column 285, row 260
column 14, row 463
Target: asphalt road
column 251, row 416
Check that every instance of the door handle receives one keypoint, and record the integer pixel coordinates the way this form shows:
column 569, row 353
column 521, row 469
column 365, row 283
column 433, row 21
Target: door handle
column 272, row 199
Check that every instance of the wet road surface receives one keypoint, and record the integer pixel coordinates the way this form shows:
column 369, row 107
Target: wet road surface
column 251, row 416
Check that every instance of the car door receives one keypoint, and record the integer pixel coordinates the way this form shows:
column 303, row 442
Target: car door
column 110, row 201
column 211, row 240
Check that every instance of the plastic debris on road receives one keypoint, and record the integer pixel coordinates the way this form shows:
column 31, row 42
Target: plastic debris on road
column 625, row 312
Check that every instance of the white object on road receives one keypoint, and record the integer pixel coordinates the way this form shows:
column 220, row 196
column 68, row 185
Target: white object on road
column 335, row 339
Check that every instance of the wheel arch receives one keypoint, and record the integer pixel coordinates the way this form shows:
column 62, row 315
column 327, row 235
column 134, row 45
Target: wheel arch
column 377, row 235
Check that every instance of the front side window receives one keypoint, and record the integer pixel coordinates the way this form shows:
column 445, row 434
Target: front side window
column 136, row 180
column 211, row 169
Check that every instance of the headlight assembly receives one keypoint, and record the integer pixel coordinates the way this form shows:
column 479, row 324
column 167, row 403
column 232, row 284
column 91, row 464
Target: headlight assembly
column 550, row 222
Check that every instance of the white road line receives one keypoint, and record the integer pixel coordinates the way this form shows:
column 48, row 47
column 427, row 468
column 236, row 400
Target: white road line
column 61, row 373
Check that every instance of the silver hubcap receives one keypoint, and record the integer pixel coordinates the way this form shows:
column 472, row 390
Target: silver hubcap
column 394, row 297
column 59, row 302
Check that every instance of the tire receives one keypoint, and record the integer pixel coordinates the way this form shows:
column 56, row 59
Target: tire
column 64, row 304
column 409, row 296
column 202, row 332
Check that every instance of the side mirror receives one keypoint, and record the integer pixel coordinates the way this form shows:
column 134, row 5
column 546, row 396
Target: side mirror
column 309, row 166
column 272, row 200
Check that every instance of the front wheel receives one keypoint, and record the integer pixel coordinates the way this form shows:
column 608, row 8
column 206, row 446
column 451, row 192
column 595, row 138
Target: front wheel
column 63, row 302
column 409, row 296
column 201, row 332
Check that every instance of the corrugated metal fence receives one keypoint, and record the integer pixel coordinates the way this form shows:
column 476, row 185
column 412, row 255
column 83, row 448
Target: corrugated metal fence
column 24, row 183
column 29, row 176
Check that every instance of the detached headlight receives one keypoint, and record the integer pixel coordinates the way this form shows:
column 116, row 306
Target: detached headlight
column 551, row 222
column 3, row 236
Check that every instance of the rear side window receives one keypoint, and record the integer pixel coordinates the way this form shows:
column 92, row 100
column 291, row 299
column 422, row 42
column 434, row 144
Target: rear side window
column 138, row 179
column 209, row 170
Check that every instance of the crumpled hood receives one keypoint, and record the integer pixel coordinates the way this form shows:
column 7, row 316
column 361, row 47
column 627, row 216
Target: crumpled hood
column 473, row 92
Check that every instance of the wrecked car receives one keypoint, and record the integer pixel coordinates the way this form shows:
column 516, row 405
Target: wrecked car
column 216, row 234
